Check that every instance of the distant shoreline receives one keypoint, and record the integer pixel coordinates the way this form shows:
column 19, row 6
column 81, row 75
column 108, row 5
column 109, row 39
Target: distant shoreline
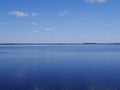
column 59, row 43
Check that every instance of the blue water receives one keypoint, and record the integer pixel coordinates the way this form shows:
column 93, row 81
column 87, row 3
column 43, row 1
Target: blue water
column 60, row 67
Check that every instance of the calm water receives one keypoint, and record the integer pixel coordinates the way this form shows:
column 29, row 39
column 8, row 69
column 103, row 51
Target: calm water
column 83, row 67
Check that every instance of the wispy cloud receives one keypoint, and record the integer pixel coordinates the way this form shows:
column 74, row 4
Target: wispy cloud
column 45, row 29
column 31, row 24
column 35, row 31
column 5, row 23
column 109, row 26
column 48, row 29
column 18, row 13
column 63, row 13
column 26, row 24
column 3, row 28
column 34, row 24
column 96, row 1
column 34, row 14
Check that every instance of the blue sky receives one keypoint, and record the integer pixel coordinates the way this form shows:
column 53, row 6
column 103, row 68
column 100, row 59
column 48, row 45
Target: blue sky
column 47, row 21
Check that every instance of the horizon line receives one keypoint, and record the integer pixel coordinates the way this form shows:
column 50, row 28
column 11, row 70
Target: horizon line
column 91, row 43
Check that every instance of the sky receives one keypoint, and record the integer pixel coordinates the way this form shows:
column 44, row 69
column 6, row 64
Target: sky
column 59, row 21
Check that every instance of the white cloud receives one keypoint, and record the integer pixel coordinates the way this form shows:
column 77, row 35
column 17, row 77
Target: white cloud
column 18, row 13
column 63, row 13
column 96, row 1
column 34, row 14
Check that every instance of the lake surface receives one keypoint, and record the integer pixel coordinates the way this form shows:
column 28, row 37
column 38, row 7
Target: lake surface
column 60, row 67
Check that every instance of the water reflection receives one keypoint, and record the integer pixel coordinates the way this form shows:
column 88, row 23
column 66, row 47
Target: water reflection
column 60, row 68
column 19, row 75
